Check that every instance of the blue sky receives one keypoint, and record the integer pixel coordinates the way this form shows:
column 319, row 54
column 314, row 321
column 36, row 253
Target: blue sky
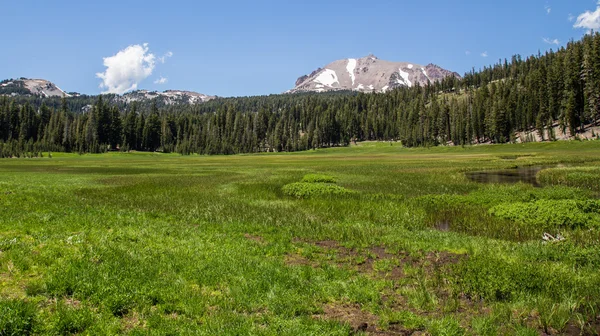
column 239, row 48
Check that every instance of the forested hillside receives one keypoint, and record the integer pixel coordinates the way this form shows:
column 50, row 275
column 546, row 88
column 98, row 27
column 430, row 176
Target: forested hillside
column 489, row 105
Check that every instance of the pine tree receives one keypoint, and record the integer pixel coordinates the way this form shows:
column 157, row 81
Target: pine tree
column 152, row 132
column 129, row 129
column 115, row 129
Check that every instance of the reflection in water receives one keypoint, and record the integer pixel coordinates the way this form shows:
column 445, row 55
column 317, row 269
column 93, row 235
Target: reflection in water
column 443, row 225
column 515, row 175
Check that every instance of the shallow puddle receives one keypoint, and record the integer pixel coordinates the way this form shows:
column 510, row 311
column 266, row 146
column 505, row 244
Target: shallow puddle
column 511, row 176
column 443, row 225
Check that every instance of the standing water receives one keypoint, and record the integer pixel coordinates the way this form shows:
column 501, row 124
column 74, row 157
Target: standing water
column 511, row 176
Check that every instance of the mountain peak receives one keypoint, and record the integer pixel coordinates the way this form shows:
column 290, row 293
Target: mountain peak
column 370, row 56
column 369, row 74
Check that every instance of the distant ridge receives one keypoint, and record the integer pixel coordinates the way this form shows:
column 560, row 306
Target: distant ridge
column 46, row 89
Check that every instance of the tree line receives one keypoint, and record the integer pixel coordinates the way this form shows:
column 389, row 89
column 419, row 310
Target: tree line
column 490, row 105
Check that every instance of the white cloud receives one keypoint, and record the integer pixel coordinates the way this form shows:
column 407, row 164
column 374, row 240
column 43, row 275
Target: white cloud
column 571, row 17
column 468, row 52
column 589, row 20
column 548, row 9
column 484, row 54
column 125, row 70
column 161, row 80
column 550, row 41
column 163, row 59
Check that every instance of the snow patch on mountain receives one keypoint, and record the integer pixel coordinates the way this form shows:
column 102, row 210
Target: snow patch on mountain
column 170, row 97
column 350, row 67
column 405, row 77
column 327, row 77
column 425, row 73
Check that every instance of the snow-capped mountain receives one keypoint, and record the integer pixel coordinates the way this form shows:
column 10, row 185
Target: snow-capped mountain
column 34, row 87
column 369, row 74
column 169, row 97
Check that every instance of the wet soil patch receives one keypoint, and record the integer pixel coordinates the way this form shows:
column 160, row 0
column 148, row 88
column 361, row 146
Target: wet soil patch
column 360, row 321
column 257, row 239
column 377, row 262
column 514, row 157
column 412, row 274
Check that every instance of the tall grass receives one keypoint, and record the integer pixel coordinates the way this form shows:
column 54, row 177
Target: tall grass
column 163, row 244
column 581, row 177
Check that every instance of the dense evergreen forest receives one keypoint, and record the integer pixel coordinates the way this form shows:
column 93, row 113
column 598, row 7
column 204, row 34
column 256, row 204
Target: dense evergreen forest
column 489, row 105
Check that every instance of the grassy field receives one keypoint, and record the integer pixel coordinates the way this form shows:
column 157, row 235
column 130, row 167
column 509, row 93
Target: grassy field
column 373, row 238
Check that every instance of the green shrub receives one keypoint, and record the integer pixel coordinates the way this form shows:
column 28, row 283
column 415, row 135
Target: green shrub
column 489, row 196
column 580, row 177
column 550, row 214
column 17, row 318
column 318, row 178
column 306, row 190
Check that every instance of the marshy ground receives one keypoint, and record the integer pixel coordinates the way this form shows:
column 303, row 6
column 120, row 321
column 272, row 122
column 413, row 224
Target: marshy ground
column 373, row 239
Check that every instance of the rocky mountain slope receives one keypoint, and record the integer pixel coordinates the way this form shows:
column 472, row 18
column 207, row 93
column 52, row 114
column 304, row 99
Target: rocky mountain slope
column 33, row 87
column 47, row 89
column 369, row 74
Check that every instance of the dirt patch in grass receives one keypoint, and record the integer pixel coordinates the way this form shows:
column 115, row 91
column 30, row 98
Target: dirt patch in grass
column 298, row 260
column 593, row 327
column 132, row 321
column 375, row 261
column 360, row 320
column 72, row 302
column 257, row 239
column 419, row 285
column 574, row 329
column 329, row 244
column 444, row 258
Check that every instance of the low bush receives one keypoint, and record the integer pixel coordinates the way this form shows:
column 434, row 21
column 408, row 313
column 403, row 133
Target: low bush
column 489, row 196
column 551, row 214
column 318, row 178
column 306, row 190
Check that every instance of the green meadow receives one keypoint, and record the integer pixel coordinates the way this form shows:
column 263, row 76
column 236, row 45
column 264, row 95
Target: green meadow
column 370, row 239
